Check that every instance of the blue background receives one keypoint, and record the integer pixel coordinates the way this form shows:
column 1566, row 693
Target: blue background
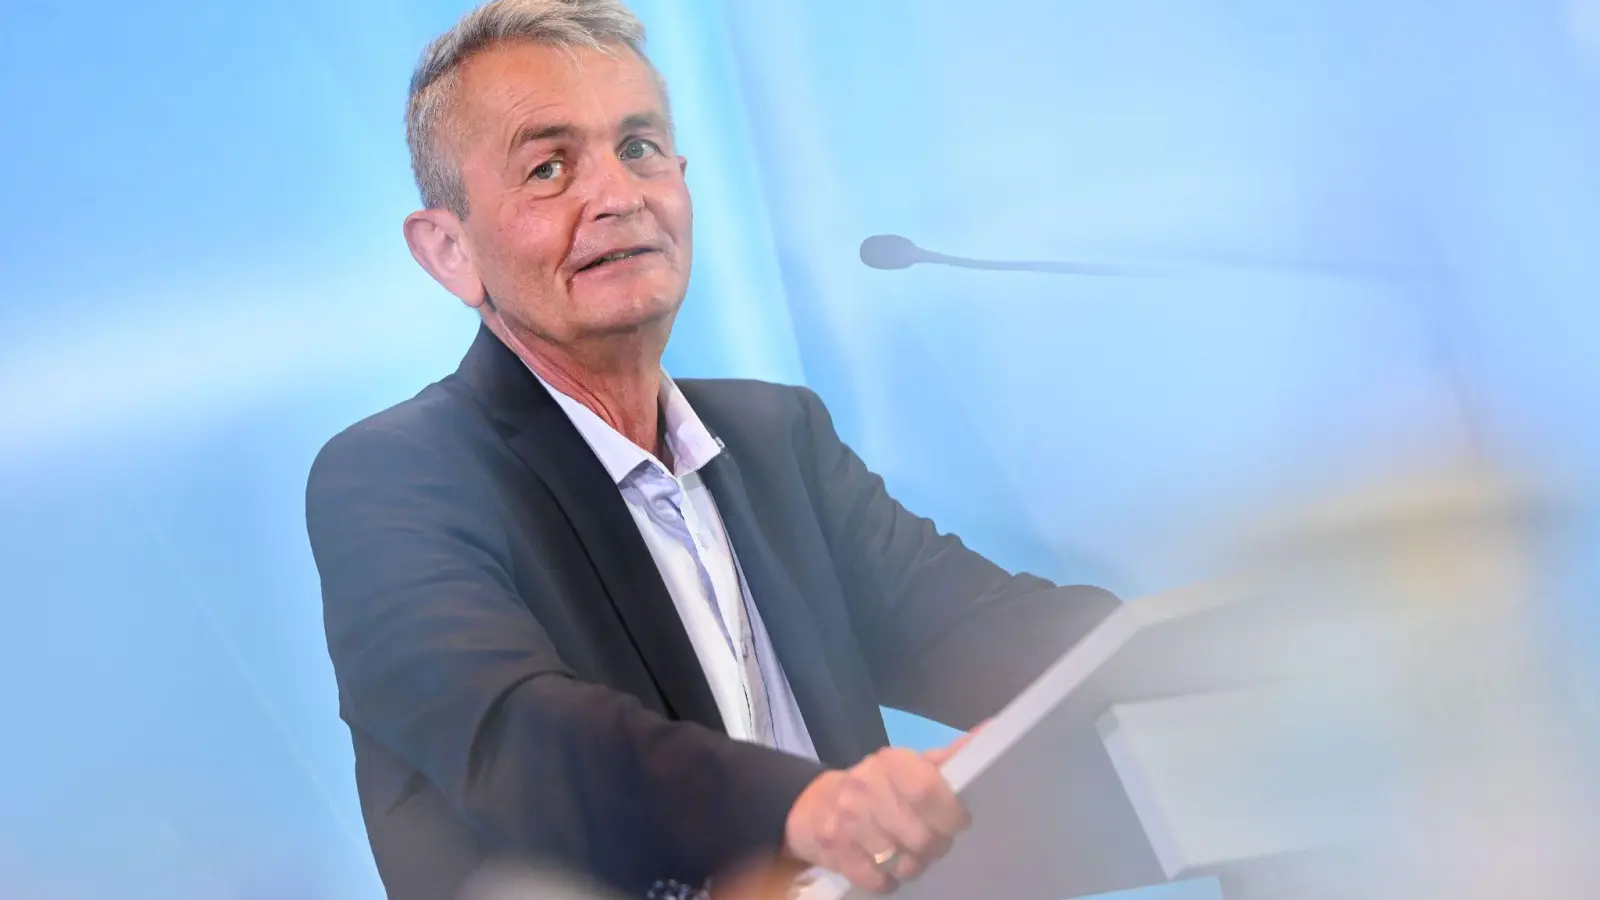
column 203, row 279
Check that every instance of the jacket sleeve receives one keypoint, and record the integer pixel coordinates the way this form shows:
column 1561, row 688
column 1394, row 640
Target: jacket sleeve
column 948, row 634
column 439, row 660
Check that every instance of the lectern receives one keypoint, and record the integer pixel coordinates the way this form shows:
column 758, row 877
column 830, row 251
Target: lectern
column 1343, row 720
column 1130, row 762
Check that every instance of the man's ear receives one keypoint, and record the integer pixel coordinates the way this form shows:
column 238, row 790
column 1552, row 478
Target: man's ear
column 438, row 243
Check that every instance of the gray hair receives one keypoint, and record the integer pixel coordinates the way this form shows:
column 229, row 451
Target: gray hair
column 590, row 24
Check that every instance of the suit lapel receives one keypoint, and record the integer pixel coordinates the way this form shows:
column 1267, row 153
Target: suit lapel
column 540, row 433
column 787, row 617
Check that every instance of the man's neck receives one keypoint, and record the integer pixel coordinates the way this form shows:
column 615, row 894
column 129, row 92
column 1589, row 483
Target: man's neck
column 623, row 389
column 630, row 402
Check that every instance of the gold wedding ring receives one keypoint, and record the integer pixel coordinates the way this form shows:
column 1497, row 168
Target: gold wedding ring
column 885, row 860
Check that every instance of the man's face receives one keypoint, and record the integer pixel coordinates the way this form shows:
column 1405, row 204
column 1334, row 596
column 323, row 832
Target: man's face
column 578, row 219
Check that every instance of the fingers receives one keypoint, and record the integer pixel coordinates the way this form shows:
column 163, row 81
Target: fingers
column 922, row 789
column 938, row 756
column 892, row 804
column 911, row 810
column 849, row 834
column 919, row 839
column 857, row 865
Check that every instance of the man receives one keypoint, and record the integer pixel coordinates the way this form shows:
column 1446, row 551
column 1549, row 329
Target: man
column 584, row 616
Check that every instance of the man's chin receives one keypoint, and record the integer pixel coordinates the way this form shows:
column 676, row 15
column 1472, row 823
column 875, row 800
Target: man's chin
column 636, row 318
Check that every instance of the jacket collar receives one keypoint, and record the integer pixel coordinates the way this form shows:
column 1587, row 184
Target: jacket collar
column 538, row 431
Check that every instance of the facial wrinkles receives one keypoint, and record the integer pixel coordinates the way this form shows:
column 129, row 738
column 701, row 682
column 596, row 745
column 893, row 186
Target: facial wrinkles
column 584, row 152
column 526, row 241
column 507, row 228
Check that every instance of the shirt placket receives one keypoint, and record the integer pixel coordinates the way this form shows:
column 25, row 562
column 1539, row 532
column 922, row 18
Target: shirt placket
column 664, row 499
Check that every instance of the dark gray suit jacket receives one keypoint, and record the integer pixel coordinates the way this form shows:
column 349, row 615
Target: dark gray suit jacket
column 514, row 673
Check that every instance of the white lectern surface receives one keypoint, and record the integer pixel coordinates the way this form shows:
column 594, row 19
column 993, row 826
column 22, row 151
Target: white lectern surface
column 1051, row 815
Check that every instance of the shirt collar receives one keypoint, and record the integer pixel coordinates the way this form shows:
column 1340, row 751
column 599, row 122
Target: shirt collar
column 690, row 441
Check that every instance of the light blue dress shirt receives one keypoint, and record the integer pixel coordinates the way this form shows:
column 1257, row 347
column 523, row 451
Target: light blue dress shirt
column 680, row 524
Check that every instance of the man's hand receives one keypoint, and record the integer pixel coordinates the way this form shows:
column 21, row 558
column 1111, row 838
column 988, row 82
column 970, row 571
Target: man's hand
column 880, row 823
column 938, row 756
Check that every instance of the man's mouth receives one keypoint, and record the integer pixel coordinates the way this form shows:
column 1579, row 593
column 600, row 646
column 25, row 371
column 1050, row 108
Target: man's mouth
column 615, row 256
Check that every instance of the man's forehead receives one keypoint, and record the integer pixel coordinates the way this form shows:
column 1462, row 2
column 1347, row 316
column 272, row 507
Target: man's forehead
column 514, row 84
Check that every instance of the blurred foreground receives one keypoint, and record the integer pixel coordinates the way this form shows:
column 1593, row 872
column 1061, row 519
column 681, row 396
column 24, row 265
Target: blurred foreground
column 1370, row 709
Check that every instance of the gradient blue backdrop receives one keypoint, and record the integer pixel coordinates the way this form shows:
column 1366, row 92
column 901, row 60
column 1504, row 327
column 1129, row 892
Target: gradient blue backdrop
column 203, row 279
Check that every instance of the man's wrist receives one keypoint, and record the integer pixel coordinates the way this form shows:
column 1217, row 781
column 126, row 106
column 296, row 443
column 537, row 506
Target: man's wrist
column 795, row 826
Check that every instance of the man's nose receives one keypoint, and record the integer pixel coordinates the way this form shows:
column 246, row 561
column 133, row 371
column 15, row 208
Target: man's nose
column 613, row 188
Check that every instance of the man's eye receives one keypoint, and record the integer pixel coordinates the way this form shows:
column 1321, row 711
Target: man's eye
column 546, row 171
column 639, row 148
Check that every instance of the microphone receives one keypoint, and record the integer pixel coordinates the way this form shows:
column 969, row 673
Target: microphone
column 1422, row 284
column 891, row 251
